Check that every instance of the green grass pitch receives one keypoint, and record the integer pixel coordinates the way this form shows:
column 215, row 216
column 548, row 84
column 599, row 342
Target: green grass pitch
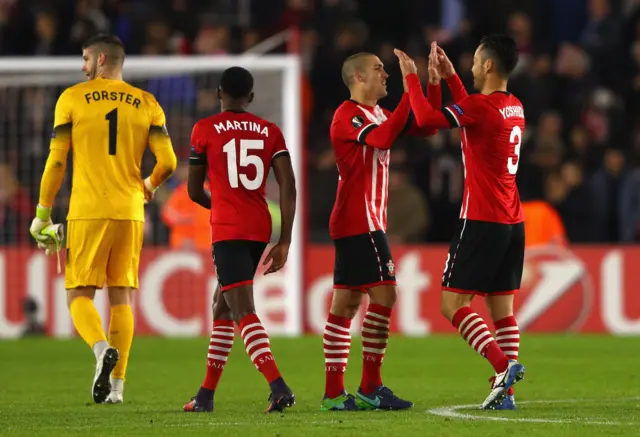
column 574, row 386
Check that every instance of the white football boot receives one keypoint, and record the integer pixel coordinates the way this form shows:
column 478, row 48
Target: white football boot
column 504, row 381
column 117, row 389
column 101, row 386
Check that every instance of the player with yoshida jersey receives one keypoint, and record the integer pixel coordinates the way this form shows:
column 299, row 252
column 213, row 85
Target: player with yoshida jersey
column 486, row 256
column 236, row 149
column 362, row 134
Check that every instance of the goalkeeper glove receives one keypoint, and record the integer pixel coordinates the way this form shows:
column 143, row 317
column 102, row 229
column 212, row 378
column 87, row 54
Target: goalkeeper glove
column 48, row 235
column 149, row 190
column 42, row 220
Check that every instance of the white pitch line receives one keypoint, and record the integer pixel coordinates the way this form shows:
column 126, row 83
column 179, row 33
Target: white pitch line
column 453, row 412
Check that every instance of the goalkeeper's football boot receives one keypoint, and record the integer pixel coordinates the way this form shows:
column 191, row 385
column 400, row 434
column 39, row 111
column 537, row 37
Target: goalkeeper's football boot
column 509, row 401
column 381, row 398
column 200, row 403
column 117, row 390
column 503, row 382
column 281, row 397
column 101, row 381
column 343, row 402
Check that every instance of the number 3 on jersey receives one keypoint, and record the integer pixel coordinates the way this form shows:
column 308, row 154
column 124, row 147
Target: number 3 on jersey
column 246, row 160
column 515, row 138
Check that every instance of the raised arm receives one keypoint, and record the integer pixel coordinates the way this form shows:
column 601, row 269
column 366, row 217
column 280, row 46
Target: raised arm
column 447, row 71
column 382, row 136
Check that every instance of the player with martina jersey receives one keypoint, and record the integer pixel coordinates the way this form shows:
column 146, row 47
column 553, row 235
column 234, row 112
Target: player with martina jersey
column 237, row 149
column 362, row 134
column 487, row 254
column 108, row 124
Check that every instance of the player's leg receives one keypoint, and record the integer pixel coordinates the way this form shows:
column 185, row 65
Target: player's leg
column 473, row 262
column 220, row 344
column 500, row 305
column 351, row 273
column 236, row 264
column 337, row 343
column 121, row 327
column 372, row 393
column 364, row 262
column 122, row 279
column 86, row 262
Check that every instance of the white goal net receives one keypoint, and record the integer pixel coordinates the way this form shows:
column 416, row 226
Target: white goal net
column 185, row 88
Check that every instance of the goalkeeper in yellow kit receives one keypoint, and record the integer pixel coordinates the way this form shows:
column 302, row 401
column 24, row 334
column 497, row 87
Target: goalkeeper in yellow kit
column 108, row 124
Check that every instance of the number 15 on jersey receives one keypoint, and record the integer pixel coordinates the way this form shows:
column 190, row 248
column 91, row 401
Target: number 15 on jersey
column 236, row 166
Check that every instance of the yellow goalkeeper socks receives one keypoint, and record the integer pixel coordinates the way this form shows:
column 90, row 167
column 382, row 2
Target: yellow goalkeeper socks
column 121, row 336
column 87, row 320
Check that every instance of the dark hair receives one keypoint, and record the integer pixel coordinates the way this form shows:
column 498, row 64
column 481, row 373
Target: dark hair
column 236, row 82
column 104, row 38
column 502, row 50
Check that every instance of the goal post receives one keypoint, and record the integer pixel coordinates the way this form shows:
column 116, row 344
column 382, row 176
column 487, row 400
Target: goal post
column 184, row 86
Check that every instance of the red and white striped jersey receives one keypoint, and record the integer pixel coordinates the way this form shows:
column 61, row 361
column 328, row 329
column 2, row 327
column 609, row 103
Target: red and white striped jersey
column 363, row 171
column 492, row 129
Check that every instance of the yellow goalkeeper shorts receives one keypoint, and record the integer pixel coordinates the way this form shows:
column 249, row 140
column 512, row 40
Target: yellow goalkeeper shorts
column 103, row 251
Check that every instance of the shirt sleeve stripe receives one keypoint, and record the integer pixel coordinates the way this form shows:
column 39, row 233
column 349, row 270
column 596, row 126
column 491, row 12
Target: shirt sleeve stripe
column 453, row 120
column 362, row 136
column 280, row 153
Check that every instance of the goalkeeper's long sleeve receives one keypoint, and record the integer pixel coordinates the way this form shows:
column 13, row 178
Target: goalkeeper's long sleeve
column 53, row 176
column 165, row 166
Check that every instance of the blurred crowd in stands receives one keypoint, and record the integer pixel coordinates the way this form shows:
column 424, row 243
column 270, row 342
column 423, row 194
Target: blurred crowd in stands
column 578, row 78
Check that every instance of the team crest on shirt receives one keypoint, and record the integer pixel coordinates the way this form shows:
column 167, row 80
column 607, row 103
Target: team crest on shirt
column 357, row 122
column 391, row 267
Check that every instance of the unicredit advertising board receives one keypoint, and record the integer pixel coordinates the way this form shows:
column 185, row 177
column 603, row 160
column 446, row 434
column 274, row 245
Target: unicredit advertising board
column 579, row 289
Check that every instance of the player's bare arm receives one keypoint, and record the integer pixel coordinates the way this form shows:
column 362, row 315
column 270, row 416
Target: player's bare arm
column 196, row 180
column 283, row 171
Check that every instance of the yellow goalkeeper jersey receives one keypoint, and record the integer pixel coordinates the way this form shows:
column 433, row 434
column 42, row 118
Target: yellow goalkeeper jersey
column 108, row 124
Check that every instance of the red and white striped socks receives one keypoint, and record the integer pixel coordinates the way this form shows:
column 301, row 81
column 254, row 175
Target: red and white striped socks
column 337, row 343
column 375, row 336
column 475, row 331
column 256, row 343
column 508, row 338
column 219, row 349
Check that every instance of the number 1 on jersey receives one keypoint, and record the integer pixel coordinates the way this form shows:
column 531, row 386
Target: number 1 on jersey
column 245, row 161
column 112, row 118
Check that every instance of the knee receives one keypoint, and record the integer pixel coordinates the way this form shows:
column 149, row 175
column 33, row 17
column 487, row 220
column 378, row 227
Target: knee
column 345, row 309
column 385, row 296
column 119, row 296
column 450, row 303
column 237, row 316
column 447, row 310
